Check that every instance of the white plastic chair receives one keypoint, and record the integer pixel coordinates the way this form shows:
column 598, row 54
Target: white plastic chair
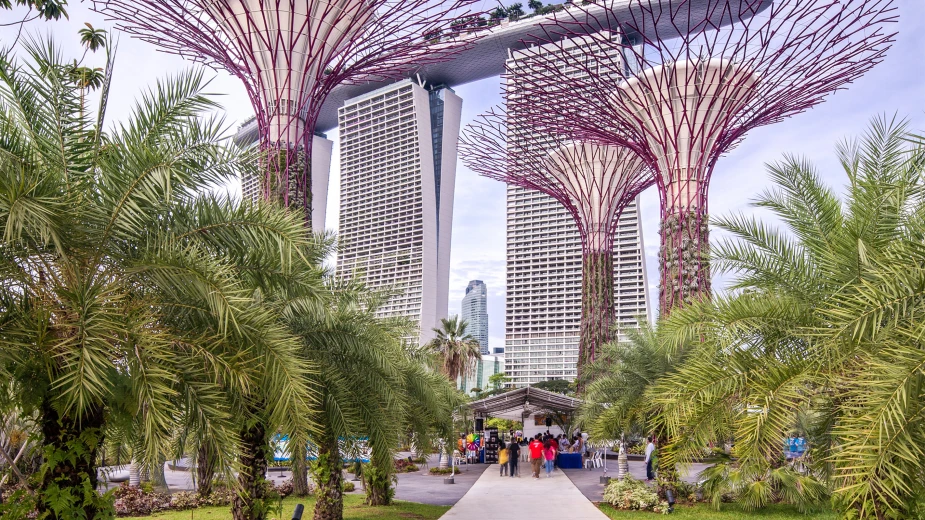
column 594, row 461
column 589, row 462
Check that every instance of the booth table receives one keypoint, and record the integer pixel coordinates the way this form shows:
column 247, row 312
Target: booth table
column 569, row 461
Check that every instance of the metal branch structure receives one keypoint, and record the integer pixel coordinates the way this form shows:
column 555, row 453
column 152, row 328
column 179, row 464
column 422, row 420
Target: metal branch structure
column 594, row 182
column 693, row 78
column 290, row 54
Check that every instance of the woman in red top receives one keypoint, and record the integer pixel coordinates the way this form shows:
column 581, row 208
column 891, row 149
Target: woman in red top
column 536, row 455
column 549, row 452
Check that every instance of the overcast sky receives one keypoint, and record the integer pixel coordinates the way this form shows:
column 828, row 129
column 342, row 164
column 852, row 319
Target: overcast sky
column 895, row 87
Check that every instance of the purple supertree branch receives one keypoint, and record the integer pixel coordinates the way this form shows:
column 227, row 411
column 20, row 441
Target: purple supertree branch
column 291, row 55
column 696, row 77
column 590, row 180
column 593, row 182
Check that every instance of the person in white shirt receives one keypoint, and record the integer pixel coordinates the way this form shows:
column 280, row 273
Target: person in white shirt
column 650, row 448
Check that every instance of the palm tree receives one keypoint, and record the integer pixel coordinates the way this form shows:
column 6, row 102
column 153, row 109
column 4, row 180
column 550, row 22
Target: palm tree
column 121, row 313
column 515, row 11
column 821, row 336
column 615, row 400
column 455, row 350
column 369, row 386
column 536, row 5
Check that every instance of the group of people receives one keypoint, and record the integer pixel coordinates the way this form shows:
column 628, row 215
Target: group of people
column 543, row 451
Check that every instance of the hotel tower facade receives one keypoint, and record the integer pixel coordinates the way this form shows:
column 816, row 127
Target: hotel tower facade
column 396, row 197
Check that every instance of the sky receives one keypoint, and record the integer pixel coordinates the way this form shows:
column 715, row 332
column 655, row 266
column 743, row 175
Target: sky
column 895, row 88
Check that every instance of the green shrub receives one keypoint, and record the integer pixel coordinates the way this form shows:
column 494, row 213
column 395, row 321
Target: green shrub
column 134, row 501
column 403, row 466
column 349, row 486
column 184, row 500
column 631, row 494
column 440, row 471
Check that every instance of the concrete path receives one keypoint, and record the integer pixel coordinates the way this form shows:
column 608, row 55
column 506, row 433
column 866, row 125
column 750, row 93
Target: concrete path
column 551, row 498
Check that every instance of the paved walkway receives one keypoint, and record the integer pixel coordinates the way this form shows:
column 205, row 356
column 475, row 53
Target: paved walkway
column 551, row 498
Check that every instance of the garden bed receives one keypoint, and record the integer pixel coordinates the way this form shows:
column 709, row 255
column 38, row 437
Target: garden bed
column 354, row 509
column 728, row 512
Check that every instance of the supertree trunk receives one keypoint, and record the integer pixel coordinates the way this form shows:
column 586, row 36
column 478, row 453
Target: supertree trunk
column 329, row 477
column 251, row 500
column 288, row 179
column 596, row 305
column 685, row 262
column 71, row 445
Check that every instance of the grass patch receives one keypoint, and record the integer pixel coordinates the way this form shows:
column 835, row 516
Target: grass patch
column 728, row 512
column 354, row 509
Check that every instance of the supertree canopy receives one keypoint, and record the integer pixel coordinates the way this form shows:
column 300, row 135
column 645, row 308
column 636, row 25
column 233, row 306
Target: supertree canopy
column 693, row 78
column 290, row 54
column 594, row 182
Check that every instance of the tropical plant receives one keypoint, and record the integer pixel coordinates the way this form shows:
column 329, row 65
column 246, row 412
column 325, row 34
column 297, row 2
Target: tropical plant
column 120, row 308
column 456, row 351
column 821, row 334
column 559, row 386
column 47, row 9
column 515, row 11
column 535, row 5
column 498, row 14
column 497, row 381
column 370, row 386
column 614, row 402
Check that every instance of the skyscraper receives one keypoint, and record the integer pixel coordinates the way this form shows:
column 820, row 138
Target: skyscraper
column 544, row 265
column 475, row 311
column 396, row 196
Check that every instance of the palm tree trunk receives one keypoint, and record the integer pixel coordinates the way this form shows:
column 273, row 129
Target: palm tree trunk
column 299, row 469
column 596, row 305
column 250, row 502
column 329, row 477
column 134, row 473
column 378, row 483
column 205, row 469
column 71, row 445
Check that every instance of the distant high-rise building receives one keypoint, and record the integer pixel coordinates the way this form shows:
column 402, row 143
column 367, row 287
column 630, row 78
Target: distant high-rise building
column 544, row 259
column 480, row 372
column 475, row 311
column 398, row 173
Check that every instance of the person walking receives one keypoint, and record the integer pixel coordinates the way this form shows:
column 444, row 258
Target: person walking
column 650, row 449
column 536, row 455
column 549, row 453
column 503, row 459
column 513, row 456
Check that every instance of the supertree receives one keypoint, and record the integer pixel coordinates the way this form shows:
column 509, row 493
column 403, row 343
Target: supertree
column 594, row 182
column 290, row 54
column 691, row 79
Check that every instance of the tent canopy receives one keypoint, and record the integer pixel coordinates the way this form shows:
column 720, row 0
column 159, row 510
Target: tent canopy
column 522, row 402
